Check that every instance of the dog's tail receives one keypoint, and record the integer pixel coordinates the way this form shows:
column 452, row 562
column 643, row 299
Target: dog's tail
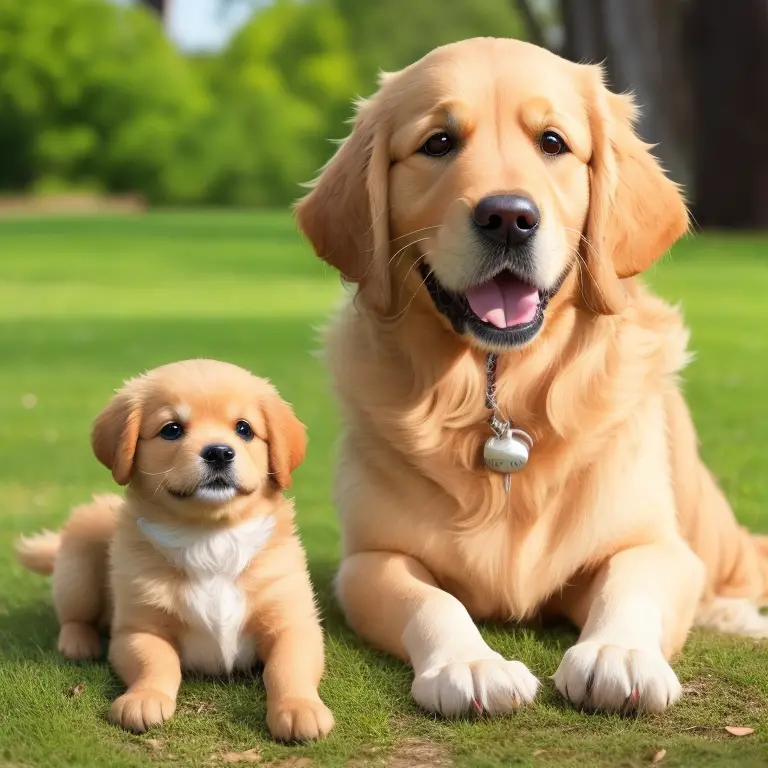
column 38, row 552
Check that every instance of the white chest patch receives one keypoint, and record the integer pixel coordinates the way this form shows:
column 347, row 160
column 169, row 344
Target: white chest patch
column 212, row 605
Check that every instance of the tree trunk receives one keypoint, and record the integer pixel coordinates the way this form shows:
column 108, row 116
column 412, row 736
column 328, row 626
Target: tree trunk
column 638, row 41
column 160, row 7
column 729, row 77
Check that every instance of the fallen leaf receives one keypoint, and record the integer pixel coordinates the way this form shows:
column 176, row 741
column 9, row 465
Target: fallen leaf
column 76, row 690
column 249, row 756
column 739, row 730
column 155, row 744
column 538, row 752
column 659, row 756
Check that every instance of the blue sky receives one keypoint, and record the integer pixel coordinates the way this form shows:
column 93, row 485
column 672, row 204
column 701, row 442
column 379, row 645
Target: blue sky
column 205, row 24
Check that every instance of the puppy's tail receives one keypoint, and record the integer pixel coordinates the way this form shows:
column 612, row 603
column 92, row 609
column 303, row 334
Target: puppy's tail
column 38, row 552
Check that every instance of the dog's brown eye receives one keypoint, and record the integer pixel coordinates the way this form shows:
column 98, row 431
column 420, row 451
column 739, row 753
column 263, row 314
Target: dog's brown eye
column 438, row 145
column 243, row 428
column 172, row 431
column 552, row 144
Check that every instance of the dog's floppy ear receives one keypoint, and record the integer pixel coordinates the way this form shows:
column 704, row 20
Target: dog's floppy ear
column 635, row 212
column 286, row 439
column 115, row 434
column 346, row 215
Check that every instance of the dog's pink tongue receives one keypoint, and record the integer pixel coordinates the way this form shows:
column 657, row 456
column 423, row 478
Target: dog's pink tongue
column 504, row 301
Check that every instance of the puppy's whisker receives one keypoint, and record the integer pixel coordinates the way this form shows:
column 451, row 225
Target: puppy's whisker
column 415, row 232
column 156, row 474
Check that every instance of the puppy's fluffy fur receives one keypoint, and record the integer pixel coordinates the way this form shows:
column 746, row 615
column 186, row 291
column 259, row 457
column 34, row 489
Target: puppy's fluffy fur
column 615, row 522
column 200, row 567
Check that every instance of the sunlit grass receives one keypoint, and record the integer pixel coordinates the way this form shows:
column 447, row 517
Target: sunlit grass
column 85, row 303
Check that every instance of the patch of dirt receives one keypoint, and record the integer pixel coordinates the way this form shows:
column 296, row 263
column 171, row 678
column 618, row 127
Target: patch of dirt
column 75, row 203
column 411, row 753
column 695, row 688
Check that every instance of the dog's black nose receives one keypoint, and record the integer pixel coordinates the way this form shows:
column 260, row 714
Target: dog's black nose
column 507, row 219
column 218, row 454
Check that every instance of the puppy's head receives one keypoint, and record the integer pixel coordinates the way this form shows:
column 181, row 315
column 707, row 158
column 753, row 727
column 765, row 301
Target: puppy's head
column 501, row 176
column 199, row 433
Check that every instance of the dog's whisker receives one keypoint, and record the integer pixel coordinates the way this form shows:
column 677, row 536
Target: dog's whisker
column 407, row 245
column 408, row 305
column 407, row 274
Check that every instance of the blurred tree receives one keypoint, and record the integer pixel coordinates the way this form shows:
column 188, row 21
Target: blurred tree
column 699, row 70
column 639, row 43
column 160, row 7
column 91, row 94
column 283, row 87
column 729, row 75
column 392, row 34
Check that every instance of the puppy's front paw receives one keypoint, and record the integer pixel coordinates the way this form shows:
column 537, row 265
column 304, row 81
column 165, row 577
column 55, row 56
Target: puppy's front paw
column 138, row 711
column 79, row 642
column 611, row 678
column 495, row 686
column 299, row 720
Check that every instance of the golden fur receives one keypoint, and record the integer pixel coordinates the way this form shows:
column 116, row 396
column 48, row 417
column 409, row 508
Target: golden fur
column 154, row 566
column 615, row 522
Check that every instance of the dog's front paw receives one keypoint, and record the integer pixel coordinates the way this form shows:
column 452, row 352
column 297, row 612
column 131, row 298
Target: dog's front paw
column 493, row 686
column 138, row 711
column 611, row 678
column 79, row 642
column 299, row 720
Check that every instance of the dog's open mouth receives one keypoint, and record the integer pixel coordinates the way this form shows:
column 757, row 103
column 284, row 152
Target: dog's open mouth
column 504, row 311
column 218, row 489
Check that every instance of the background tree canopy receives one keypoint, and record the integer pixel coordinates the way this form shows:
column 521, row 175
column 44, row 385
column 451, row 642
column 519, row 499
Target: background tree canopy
column 93, row 96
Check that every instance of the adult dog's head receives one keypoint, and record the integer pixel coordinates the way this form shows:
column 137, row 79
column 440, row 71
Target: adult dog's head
column 197, row 437
column 509, row 177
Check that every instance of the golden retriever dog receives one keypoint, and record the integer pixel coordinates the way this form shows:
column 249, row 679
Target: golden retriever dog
column 493, row 205
column 200, row 567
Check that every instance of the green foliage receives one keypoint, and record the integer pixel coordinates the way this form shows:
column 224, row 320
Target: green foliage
column 93, row 95
column 282, row 87
column 390, row 34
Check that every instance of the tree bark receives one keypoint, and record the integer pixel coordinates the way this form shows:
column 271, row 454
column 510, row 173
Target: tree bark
column 638, row 41
column 729, row 76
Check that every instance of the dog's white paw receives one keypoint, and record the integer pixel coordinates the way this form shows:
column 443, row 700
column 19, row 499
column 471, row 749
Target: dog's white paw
column 493, row 686
column 611, row 678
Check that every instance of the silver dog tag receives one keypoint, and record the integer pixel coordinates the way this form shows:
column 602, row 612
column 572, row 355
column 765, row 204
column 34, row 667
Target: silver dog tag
column 508, row 452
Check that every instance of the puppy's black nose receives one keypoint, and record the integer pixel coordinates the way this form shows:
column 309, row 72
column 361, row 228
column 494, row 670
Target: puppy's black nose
column 507, row 219
column 218, row 454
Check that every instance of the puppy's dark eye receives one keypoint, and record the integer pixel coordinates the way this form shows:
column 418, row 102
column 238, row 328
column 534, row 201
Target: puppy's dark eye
column 437, row 145
column 243, row 428
column 172, row 431
column 552, row 144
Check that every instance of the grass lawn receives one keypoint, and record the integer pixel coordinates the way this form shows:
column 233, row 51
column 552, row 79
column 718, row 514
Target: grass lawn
column 85, row 303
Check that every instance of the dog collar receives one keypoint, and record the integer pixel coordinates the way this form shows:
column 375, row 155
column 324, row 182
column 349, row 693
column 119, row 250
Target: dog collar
column 507, row 451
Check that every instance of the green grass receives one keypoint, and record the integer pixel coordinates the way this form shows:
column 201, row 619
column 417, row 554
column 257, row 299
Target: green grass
column 85, row 303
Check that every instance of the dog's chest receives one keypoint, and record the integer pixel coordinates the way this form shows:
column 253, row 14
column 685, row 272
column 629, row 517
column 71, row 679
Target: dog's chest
column 211, row 605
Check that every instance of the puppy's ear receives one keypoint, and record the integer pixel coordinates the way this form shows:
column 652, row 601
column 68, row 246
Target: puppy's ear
column 635, row 212
column 286, row 439
column 115, row 434
column 346, row 215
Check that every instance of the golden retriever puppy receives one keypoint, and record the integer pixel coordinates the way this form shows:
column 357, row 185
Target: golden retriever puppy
column 200, row 567
column 493, row 204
